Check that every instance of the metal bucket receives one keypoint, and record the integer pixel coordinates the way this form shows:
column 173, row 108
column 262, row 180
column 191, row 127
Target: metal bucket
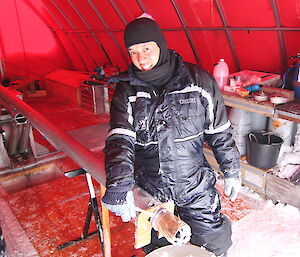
column 179, row 251
column 263, row 149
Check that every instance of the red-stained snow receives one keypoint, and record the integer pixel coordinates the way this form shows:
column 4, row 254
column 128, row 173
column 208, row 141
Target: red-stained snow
column 37, row 220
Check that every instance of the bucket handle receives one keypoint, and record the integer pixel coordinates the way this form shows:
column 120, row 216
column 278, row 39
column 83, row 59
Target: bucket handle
column 264, row 133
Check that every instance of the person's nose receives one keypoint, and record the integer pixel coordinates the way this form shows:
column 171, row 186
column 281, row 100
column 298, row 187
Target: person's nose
column 142, row 57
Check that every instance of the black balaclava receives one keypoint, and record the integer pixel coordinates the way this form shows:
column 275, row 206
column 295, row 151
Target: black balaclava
column 144, row 30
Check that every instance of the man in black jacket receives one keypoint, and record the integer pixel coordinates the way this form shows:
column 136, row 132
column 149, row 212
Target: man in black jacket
column 162, row 112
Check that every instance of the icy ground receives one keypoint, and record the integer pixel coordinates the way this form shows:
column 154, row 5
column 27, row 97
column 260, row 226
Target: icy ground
column 267, row 230
column 260, row 228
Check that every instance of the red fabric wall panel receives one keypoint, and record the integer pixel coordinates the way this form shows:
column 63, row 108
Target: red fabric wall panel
column 182, row 46
column 89, row 15
column 86, row 57
column 248, row 13
column 129, row 9
column 163, row 12
column 292, row 39
column 258, row 50
column 289, row 13
column 108, row 14
column 112, row 50
column 38, row 36
column 70, row 15
column 72, row 51
column 29, row 47
column 199, row 14
column 212, row 46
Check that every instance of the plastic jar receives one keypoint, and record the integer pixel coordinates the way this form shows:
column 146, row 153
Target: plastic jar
column 221, row 73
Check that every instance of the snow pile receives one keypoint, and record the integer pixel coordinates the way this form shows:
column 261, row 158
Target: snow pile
column 289, row 161
column 273, row 231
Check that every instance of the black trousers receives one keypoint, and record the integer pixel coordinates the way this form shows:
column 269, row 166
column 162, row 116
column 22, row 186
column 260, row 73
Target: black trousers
column 199, row 206
column 217, row 242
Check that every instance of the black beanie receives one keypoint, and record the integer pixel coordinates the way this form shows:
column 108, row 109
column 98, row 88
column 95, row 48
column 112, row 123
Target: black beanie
column 144, row 30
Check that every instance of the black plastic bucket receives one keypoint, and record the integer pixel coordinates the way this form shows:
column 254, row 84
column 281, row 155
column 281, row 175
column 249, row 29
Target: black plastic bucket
column 263, row 149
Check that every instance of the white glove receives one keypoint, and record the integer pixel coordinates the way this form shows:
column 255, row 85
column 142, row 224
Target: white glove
column 232, row 186
column 126, row 210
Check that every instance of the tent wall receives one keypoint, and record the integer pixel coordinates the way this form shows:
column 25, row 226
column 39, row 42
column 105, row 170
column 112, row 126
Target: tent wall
column 39, row 36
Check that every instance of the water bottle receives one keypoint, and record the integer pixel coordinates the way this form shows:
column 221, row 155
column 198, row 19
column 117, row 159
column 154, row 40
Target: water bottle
column 221, row 73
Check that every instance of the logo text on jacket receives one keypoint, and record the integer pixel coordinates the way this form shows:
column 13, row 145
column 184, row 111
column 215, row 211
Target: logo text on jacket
column 187, row 101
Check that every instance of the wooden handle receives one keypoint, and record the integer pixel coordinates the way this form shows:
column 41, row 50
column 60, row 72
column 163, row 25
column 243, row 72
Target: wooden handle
column 106, row 226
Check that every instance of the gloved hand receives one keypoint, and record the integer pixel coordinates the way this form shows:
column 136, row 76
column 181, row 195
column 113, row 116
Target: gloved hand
column 126, row 210
column 232, row 186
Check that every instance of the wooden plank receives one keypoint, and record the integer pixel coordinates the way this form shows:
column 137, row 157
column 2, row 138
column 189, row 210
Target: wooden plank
column 248, row 104
column 282, row 190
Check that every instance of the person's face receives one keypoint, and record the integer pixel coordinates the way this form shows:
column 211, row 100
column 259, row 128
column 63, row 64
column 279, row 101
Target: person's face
column 145, row 55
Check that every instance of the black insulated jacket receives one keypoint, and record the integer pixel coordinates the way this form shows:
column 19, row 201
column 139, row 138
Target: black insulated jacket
column 157, row 138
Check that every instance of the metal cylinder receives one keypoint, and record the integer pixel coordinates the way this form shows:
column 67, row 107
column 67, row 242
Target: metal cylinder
column 24, row 138
column 13, row 139
column 20, row 118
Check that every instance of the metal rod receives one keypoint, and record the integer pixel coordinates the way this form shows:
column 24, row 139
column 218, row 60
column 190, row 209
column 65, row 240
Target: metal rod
column 108, row 30
column 228, row 34
column 187, row 33
column 81, row 155
column 189, row 29
column 284, row 59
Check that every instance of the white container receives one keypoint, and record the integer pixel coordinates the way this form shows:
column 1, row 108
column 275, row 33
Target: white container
column 221, row 73
column 241, row 127
column 283, row 128
column 259, row 122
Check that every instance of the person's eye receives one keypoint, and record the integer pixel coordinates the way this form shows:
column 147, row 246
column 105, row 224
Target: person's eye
column 147, row 49
column 132, row 53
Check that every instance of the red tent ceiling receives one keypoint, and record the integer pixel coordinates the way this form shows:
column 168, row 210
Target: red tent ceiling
column 39, row 36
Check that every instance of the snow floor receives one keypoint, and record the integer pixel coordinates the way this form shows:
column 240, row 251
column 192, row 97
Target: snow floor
column 260, row 228
column 267, row 230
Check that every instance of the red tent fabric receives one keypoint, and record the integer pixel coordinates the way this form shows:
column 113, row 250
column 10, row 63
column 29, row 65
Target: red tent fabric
column 40, row 36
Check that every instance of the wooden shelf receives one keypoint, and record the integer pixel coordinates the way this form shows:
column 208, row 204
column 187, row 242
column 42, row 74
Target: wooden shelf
column 259, row 180
column 234, row 100
column 289, row 111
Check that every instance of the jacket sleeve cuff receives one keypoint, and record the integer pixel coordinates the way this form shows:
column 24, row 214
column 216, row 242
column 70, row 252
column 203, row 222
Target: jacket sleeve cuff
column 114, row 198
column 231, row 173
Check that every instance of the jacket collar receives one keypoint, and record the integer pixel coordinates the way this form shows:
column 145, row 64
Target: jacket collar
column 128, row 76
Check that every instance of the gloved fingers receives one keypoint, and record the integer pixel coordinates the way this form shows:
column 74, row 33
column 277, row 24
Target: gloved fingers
column 233, row 196
column 132, row 211
column 130, row 204
column 227, row 190
column 128, row 213
column 126, row 216
column 232, row 187
column 235, row 191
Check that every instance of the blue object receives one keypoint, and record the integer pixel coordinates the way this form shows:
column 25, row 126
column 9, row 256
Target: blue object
column 253, row 88
column 291, row 75
column 297, row 91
